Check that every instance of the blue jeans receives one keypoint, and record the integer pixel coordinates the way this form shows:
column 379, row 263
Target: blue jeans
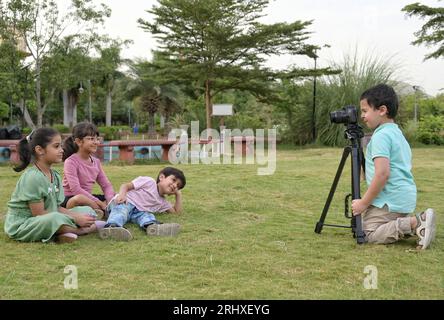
column 126, row 212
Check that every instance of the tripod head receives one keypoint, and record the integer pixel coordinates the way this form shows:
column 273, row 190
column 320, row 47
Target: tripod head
column 349, row 117
column 353, row 132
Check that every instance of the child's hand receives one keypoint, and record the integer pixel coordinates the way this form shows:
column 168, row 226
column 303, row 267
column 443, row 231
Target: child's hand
column 83, row 220
column 358, row 206
column 101, row 204
column 121, row 198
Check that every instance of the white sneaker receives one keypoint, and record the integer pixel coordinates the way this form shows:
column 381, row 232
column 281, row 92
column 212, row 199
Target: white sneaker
column 163, row 230
column 426, row 228
column 115, row 233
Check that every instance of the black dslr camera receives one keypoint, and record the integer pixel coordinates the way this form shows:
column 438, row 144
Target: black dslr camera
column 346, row 115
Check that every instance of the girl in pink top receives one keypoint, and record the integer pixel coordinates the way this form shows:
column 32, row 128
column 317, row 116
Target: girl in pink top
column 82, row 170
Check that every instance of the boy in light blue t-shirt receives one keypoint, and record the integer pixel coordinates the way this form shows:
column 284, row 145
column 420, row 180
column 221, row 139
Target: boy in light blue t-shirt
column 391, row 193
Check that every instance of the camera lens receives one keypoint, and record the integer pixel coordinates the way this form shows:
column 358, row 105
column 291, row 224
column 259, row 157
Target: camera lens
column 345, row 115
column 339, row 116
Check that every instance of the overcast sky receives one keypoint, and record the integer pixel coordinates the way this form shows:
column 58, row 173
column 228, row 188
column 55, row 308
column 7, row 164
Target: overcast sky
column 373, row 26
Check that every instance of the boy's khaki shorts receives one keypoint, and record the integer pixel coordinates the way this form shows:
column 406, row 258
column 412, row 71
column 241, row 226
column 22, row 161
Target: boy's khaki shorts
column 382, row 227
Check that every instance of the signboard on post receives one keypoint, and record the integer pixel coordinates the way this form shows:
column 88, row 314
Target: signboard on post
column 222, row 110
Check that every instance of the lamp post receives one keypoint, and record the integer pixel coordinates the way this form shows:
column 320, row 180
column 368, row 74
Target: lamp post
column 415, row 117
column 89, row 101
column 81, row 88
column 313, row 124
column 313, row 114
column 129, row 115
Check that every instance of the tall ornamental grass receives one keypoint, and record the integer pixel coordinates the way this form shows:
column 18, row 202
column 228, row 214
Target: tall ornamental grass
column 336, row 91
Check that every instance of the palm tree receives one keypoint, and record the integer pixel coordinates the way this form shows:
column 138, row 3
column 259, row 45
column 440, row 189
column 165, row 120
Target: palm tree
column 170, row 104
column 150, row 102
column 152, row 96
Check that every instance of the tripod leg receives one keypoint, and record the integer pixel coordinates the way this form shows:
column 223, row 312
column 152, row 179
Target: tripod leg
column 362, row 159
column 356, row 222
column 320, row 223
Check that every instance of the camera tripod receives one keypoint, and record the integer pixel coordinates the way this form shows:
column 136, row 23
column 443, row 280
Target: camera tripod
column 353, row 133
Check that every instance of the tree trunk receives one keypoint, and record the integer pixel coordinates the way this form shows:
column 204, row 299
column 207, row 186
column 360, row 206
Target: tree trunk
column 47, row 101
column 65, row 107
column 208, row 103
column 38, row 91
column 162, row 121
column 71, row 107
column 167, row 124
column 26, row 115
column 108, row 108
column 74, row 113
column 151, row 126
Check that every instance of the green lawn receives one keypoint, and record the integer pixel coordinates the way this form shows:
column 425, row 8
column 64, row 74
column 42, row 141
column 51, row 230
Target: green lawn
column 244, row 236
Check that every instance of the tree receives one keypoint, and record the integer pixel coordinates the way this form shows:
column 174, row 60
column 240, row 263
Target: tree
column 15, row 78
column 150, row 103
column 219, row 45
column 432, row 32
column 153, row 96
column 62, row 69
column 107, row 67
column 4, row 110
column 295, row 104
column 9, row 64
column 40, row 25
column 169, row 105
column 73, row 67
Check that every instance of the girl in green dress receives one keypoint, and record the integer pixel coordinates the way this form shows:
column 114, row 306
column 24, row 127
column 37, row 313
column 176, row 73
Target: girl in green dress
column 34, row 212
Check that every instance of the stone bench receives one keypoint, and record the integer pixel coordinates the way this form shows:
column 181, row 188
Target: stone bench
column 126, row 147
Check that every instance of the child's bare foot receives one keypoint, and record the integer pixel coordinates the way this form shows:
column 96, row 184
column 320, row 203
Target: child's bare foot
column 66, row 237
column 86, row 230
column 100, row 214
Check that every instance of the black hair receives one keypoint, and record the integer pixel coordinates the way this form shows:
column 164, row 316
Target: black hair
column 168, row 171
column 382, row 95
column 80, row 131
column 26, row 148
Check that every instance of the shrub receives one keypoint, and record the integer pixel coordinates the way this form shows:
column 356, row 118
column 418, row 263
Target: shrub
column 410, row 131
column 114, row 132
column 61, row 128
column 431, row 130
column 244, row 121
column 143, row 128
column 26, row 130
column 4, row 110
column 109, row 133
